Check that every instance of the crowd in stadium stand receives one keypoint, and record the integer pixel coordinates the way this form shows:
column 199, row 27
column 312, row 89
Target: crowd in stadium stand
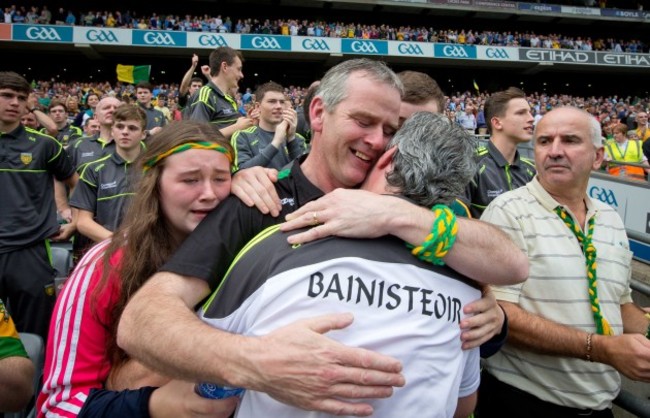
column 305, row 27
column 608, row 110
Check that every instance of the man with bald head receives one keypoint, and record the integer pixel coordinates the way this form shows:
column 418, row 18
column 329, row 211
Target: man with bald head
column 89, row 148
column 572, row 324
column 84, row 151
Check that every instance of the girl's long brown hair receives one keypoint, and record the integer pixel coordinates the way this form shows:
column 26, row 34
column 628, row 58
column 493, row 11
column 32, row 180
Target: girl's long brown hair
column 143, row 236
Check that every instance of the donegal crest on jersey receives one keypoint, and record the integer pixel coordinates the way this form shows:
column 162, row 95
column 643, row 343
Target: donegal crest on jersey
column 26, row 157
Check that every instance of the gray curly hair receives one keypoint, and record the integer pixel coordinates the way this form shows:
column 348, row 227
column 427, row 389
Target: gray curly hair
column 434, row 160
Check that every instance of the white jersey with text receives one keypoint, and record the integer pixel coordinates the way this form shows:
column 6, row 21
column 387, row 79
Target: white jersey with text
column 402, row 307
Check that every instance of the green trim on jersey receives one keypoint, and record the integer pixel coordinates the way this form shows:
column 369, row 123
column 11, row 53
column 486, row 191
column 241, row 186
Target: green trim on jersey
column 233, row 144
column 284, row 173
column 258, row 238
column 99, row 199
column 86, row 166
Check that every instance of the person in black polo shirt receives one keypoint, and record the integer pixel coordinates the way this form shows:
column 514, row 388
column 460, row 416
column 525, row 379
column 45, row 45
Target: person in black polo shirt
column 155, row 118
column 274, row 143
column 500, row 167
column 213, row 102
column 29, row 161
column 65, row 131
column 104, row 191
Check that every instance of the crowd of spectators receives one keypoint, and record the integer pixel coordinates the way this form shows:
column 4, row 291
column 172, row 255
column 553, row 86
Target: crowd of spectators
column 609, row 110
column 319, row 28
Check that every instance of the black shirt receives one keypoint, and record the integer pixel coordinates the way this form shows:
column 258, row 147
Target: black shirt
column 104, row 189
column 209, row 104
column 87, row 149
column 29, row 160
column 495, row 176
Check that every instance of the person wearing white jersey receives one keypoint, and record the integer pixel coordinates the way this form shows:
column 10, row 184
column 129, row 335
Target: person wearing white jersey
column 403, row 307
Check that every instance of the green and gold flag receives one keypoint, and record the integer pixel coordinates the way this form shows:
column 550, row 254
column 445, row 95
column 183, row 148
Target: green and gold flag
column 133, row 73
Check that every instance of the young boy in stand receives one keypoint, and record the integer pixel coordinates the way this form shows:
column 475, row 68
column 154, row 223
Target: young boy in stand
column 104, row 190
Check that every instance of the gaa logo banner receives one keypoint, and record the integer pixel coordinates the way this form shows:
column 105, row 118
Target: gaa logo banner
column 159, row 38
column 362, row 46
column 604, row 195
column 455, row 51
column 493, row 53
column 313, row 44
column 266, row 42
column 42, row 33
column 212, row 40
column 410, row 49
column 102, row 36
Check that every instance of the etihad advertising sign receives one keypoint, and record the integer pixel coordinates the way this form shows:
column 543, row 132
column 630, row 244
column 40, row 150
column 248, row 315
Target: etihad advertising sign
column 566, row 56
column 613, row 58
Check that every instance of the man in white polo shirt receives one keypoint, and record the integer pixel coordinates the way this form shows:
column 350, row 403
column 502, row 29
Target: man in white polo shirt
column 572, row 323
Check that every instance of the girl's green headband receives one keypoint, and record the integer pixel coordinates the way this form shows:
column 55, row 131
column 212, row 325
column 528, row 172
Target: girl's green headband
column 184, row 147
